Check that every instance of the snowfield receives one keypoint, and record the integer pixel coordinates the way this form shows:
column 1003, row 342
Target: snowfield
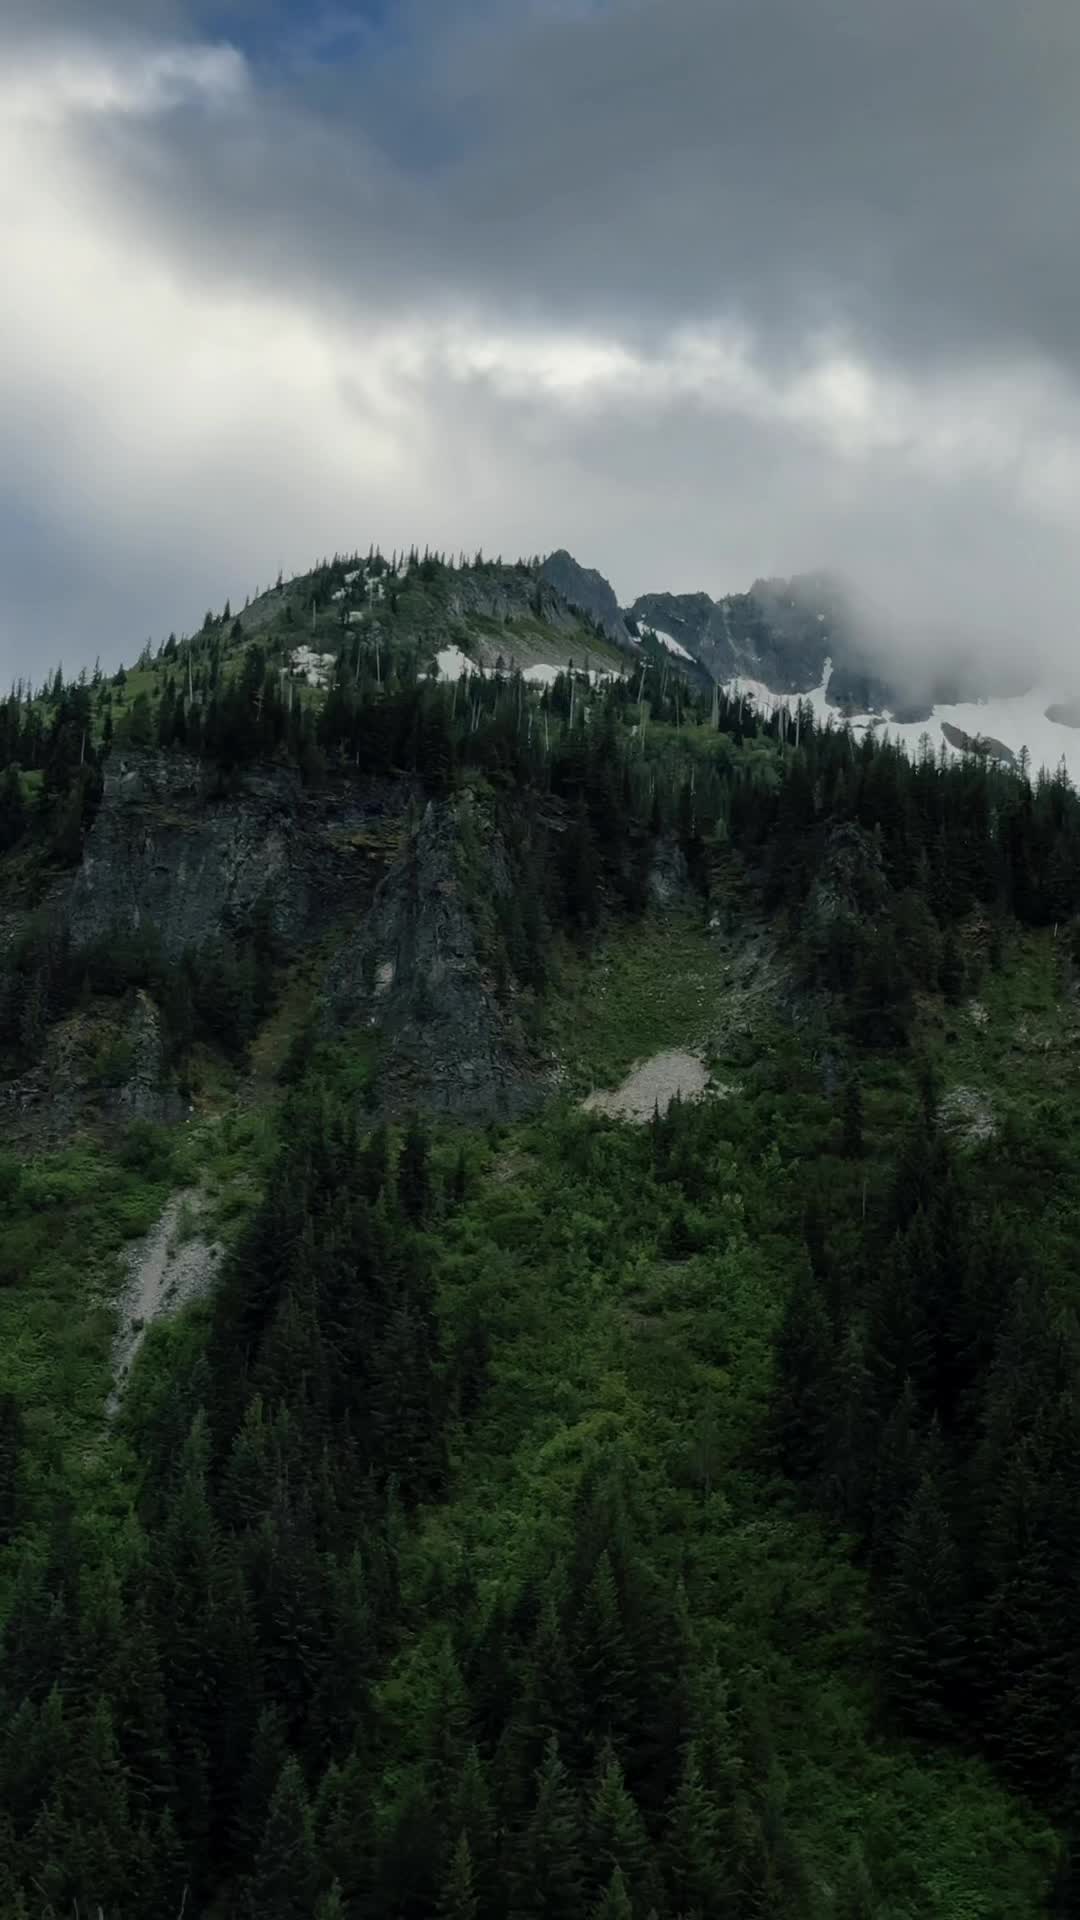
column 1018, row 721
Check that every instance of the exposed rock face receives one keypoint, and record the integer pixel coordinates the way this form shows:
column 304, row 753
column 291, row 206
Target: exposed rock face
column 415, row 913
column 174, row 849
column 504, row 592
column 669, row 876
column 108, row 1064
column 781, row 632
column 851, row 884
column 416, row 972
column 982, row 743
column 145, row 1092
column 584, row 587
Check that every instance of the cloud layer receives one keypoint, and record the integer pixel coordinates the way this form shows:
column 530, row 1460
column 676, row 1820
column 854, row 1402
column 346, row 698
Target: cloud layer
column 699, row 288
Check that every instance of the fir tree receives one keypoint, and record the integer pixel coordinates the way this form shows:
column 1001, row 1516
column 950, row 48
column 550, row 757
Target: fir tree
column 693, row 1855
column 853, row 1118
column 615, row 1902
column 457, row 1901
column 284, row 1878
column 414, row 1179
column 551, row 1870
column 924, row 1608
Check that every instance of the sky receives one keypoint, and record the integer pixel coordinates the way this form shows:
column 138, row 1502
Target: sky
column 700, row 289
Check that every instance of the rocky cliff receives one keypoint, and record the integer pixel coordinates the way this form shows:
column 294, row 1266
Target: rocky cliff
column 781, row 632
column 415, row 970
column 176, row 847
column 406, row 895
column 587, row 589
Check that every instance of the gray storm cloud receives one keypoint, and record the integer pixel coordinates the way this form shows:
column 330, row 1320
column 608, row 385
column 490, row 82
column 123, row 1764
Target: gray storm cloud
column 701, row 289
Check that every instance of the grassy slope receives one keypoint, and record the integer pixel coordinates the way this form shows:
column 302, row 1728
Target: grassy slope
column 598, row 1334
column 280, row 622
column 600, row 1337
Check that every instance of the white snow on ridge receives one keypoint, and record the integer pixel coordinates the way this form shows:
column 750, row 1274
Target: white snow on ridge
column 668, row 640
column 451, row 663
column 1017, row 720
column 766, row 701
column 546, row 676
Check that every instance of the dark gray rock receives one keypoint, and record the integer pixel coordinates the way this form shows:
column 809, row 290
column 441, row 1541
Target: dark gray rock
column 982, row 744
column 585, row 588
column 147, row 1092
column 503, row 593
column 851, row 884
column 174, row 848
column 668, row 883
column 415, row 970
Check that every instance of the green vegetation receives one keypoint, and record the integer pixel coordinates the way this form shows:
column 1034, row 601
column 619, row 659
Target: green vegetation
column 559, row 1519
column 65, row 1219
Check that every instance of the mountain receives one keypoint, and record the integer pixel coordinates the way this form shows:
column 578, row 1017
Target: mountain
column 787, row 640
column 779, row 634
column 587, row 590
column 538, row 1368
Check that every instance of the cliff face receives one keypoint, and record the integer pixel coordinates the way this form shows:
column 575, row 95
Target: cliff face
column 415, row 969
column 410, row 901
column 584, row 587
column 174, row 848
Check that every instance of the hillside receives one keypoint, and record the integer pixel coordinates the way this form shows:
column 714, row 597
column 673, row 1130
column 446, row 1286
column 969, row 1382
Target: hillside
column 425, row 1490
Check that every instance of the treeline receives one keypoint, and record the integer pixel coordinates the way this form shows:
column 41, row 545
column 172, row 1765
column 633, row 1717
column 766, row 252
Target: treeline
column 54, row 740
column 218, row 993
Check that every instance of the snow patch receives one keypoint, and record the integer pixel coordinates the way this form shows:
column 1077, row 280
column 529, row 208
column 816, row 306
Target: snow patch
column 315, row 668
column 668, row 640
column 1017, row 720
column 451, row 663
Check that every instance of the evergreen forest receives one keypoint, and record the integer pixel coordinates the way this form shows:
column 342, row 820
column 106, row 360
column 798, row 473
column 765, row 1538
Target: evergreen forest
column 545, row 1517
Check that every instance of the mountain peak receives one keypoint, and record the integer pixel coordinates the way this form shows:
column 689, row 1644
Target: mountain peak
column 585, row 589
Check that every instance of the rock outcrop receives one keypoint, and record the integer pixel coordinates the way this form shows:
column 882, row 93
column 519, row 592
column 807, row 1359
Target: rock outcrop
column 586, row 589
column 415, row 971
column 176, row 848
column 982, row 744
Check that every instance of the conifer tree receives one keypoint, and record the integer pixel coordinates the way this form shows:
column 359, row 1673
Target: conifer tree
column 615, row 1902
column 923, row 1611
column 804, row 1364
column 853, row 1118
column 457, row 1900
column 414, row 1179
column 11, row 1441
column 13, row 811
column 471, row 1816
column 693, row 1855
column 550, row 1866
column 283, row 1882
column 616, row 1841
